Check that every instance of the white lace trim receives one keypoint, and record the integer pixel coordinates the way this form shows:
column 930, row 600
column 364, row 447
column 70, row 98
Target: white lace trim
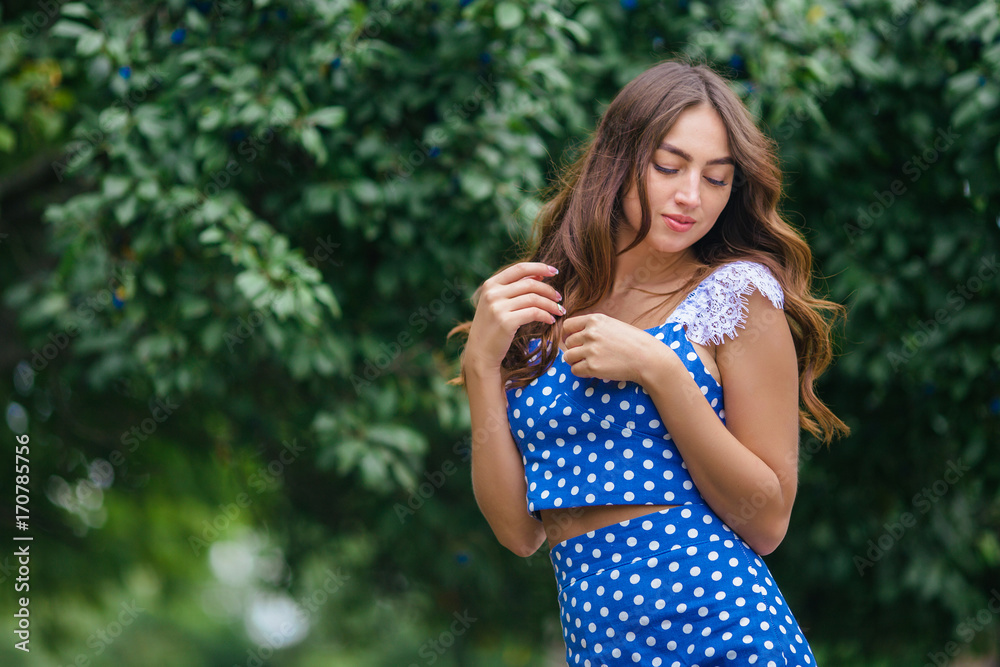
column 718, row 305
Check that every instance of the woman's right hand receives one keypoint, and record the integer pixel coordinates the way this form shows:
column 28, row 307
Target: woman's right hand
column 508, row 299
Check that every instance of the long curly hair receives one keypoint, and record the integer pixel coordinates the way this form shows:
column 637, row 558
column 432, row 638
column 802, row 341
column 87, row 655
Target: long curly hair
column 576, row 229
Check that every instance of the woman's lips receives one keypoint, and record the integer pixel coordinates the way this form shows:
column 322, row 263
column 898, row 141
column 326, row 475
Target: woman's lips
column 678, row 225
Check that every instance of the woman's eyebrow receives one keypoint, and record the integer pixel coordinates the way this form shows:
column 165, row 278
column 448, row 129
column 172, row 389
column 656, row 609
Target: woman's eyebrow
column 677, row 151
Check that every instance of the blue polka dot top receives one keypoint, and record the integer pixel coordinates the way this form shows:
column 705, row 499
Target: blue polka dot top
column 590, row 441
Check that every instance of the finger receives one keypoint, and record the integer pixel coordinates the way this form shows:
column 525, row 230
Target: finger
column 536, row 301
column 570, row 357
column 578, row 368
column 523, row 270
column 528, row 285
column 518, row 318
column 568, row 343
column 574, row 324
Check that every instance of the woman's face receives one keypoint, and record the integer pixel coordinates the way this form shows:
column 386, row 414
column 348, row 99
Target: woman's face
column 688, row 183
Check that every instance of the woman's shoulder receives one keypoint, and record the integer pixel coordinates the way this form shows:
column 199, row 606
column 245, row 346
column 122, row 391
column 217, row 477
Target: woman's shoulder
column 718, row 306
column 741, row 277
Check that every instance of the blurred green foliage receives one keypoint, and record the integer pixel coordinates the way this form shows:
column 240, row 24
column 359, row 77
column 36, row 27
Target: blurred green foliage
column 235, row 234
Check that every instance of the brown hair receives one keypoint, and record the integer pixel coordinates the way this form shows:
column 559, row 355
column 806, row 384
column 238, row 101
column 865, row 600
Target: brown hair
column 575, row 231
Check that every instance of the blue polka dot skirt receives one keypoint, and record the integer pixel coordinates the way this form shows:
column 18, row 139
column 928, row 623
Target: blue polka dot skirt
column 672, row 588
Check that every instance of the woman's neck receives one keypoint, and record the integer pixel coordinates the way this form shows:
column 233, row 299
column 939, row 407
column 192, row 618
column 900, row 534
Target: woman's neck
column 641, row 268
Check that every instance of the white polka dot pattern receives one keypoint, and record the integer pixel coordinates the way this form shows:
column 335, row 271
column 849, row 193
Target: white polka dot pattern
column 672, row 588
column 588, row 441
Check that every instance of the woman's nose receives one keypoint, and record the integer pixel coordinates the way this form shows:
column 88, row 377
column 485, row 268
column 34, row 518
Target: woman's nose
column 688, row 193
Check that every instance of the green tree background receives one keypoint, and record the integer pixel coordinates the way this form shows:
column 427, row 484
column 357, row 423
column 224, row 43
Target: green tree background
column 235, row 234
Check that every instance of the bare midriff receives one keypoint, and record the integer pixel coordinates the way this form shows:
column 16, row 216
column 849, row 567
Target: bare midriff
column 564, row 523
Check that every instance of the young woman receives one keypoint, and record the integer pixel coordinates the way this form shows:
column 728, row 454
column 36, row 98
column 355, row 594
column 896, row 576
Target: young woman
column 637, row 384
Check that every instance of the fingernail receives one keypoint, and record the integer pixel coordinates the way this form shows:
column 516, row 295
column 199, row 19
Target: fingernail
column 558, row 296
column 561, row 309
column 554, row 270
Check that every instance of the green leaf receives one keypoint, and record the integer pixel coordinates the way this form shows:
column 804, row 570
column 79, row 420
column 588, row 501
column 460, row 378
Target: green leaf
column 77, row 9
column 319, row 198
column 89, row 43
column 211, row 235
column 214, row 210
column 8, row 140
column 125, row 211
column 404, row 439
column 313, row 142
column 153, row 282
column 192, row 307
column 210, row 120
column 328, row 117
column 325, row 424
column 283, row 304
column 113, row 119
column 251, row 283
column 114, row 187
column 509, row 15
column 151, row 126
column 325, row 295
column 374, row 471
column 148, row 189
column 366, row 191
column 153, row 347
column 404, row 475
column 212, row 336
column 579, row 32
column 67, row 28
column 476, row 185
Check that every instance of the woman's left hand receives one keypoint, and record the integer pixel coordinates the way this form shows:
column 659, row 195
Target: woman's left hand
column 603, row 347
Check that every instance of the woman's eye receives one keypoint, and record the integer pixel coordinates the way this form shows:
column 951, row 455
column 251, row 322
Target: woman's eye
column 667, row 170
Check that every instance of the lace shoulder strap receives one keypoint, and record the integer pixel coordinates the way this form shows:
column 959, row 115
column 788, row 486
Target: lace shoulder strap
column 718, row 305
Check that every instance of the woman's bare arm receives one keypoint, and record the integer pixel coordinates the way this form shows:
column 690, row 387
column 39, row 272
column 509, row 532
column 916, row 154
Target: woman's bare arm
column 497, row 469
column 751, row 461
column 747, row 469
column 511, row 298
